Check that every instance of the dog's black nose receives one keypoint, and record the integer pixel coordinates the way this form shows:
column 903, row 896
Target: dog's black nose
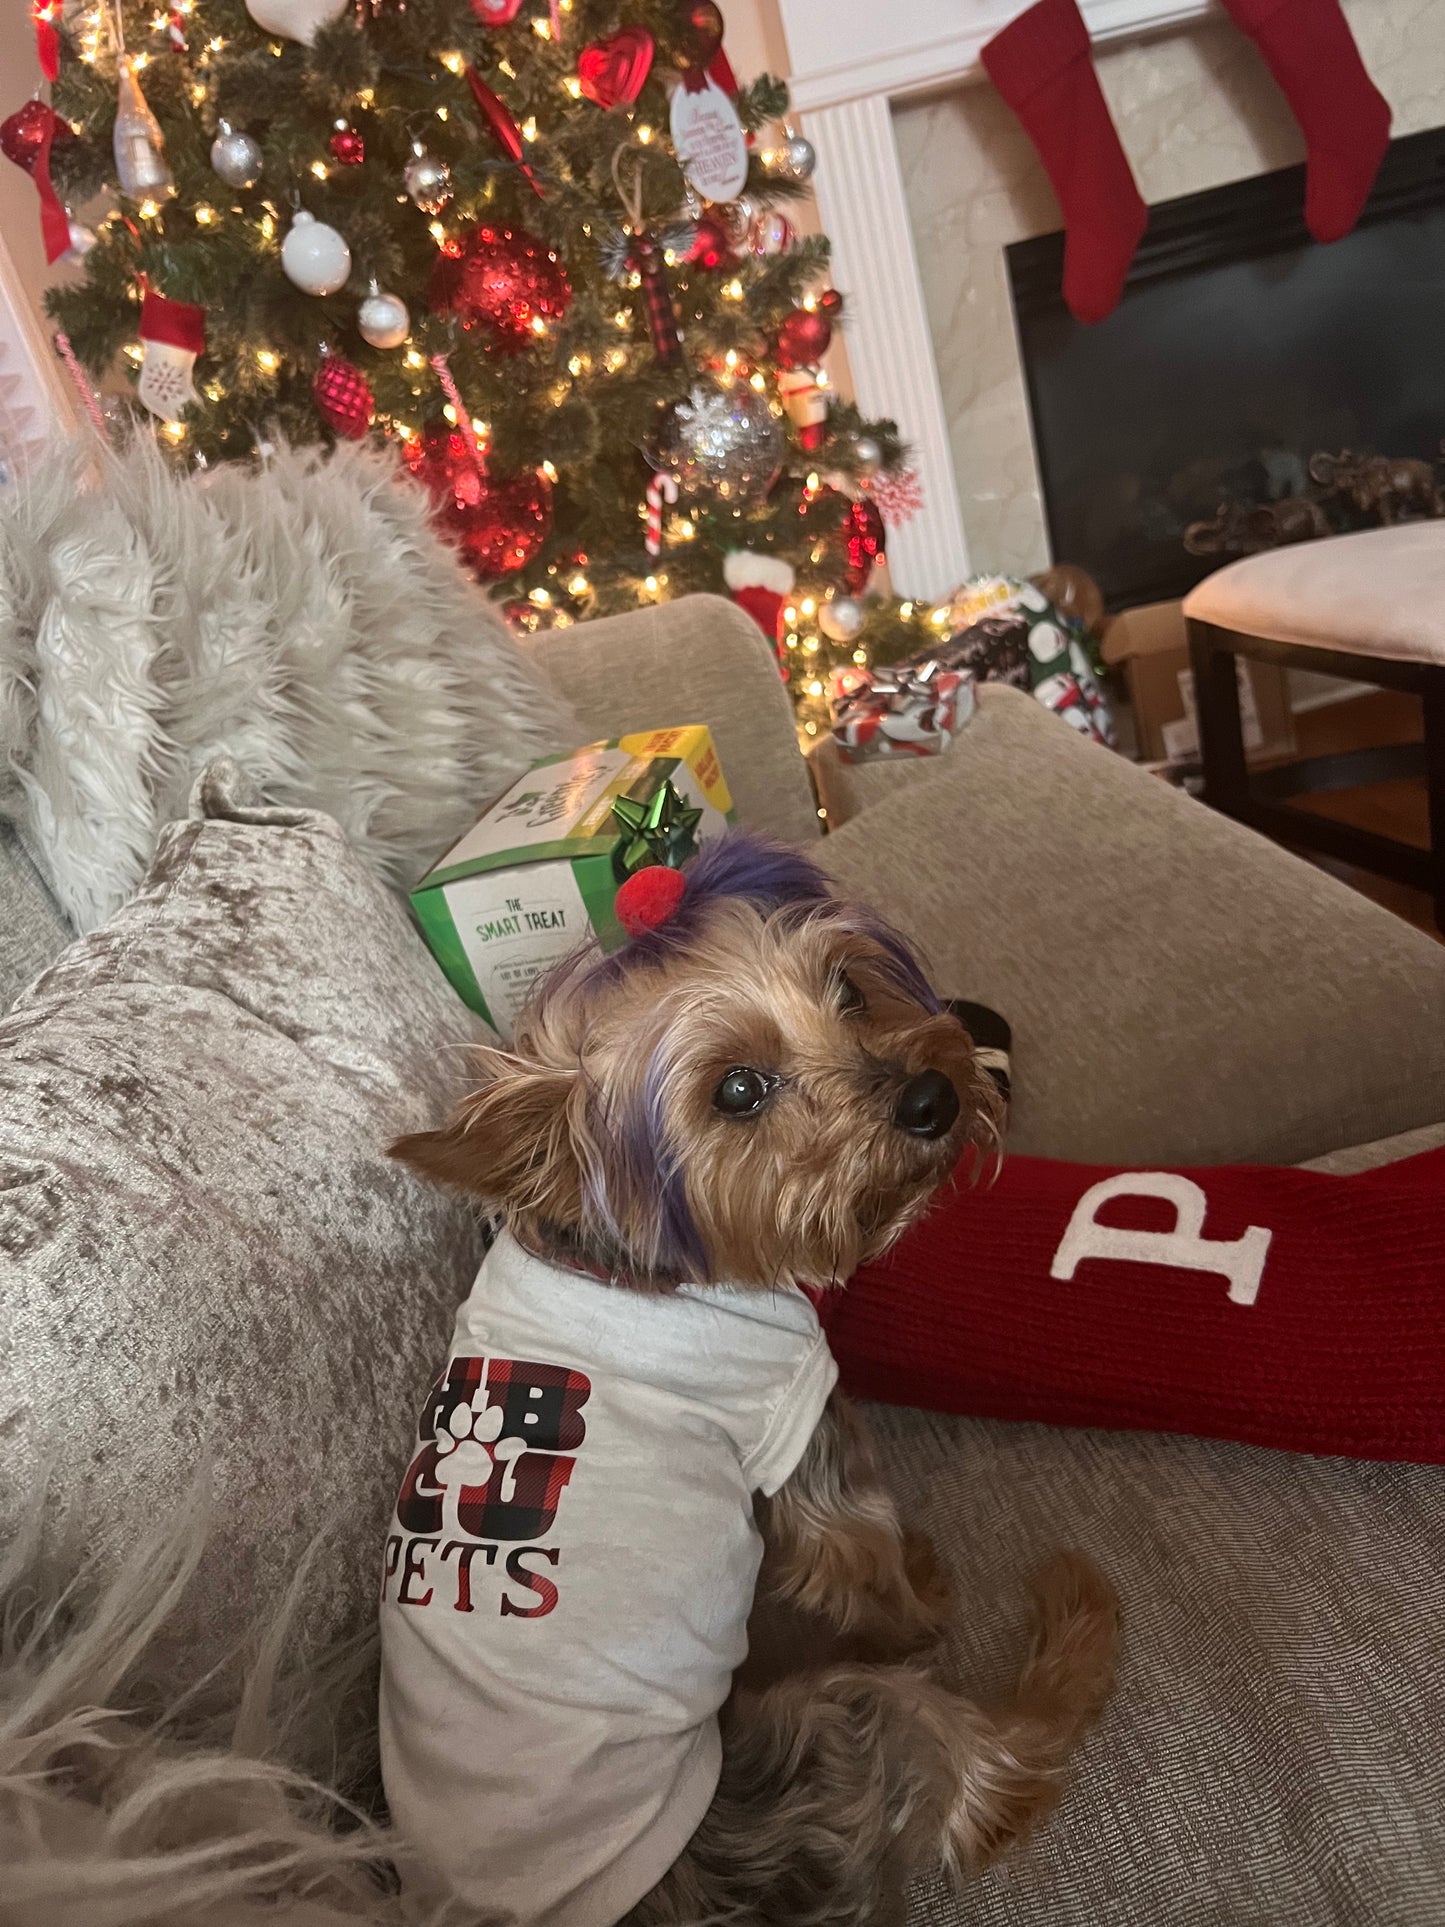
column 928, row 1106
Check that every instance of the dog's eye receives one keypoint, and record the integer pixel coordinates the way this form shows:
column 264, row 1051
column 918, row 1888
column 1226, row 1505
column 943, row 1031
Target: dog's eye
column 743, row 1092
column 850, row 998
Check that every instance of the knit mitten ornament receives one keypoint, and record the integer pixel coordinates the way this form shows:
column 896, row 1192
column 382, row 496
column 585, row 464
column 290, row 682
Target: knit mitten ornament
column 1040, row 64
column 1276, row 1307
column 1345, row 119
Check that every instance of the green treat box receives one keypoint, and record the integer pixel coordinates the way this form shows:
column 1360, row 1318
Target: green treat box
column 540, row 871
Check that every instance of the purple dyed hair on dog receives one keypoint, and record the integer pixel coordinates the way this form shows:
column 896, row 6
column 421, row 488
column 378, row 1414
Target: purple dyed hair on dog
column 774, row 877
column 778, row 880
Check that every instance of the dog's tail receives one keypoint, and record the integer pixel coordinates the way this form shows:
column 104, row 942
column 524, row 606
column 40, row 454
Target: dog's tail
column 1012, row 1773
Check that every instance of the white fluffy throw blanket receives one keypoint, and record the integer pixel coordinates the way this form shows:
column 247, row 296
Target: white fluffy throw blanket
column 302, row 616
column 127, row 1802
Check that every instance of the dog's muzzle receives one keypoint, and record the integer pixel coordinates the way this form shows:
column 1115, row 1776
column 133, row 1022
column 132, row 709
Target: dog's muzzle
column 927, row 1106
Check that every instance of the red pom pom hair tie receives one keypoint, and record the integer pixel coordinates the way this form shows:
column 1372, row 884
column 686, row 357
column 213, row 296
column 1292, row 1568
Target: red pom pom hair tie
column 649, row 898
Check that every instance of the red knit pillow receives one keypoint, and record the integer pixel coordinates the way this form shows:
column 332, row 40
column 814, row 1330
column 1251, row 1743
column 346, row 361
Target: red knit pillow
column 1279, row 1307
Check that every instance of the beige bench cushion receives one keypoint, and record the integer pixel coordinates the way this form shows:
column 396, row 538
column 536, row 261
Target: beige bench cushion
column 1378, row 593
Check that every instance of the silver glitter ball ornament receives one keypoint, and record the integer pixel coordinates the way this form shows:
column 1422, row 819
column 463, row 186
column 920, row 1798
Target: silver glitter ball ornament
column 867, row 454
column 723, row 443
column 840, row 618
column 383, row 319
column 796, row 159
column 236, row 157
column 428, row 180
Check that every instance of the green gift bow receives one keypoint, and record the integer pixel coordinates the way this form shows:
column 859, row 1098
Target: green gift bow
column 661, row 830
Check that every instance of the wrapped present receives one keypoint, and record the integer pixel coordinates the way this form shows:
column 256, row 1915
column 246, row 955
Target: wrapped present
column 539, row 873
column 1004, row 630
column 902, row 711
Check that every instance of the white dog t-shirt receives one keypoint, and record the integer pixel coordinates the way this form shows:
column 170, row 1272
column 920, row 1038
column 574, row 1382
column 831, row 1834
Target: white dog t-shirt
column 569, row 1575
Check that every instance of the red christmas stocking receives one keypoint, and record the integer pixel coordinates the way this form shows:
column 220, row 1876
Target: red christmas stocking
column 1040, row 64
column 1279, row 1307
column 1343, row 116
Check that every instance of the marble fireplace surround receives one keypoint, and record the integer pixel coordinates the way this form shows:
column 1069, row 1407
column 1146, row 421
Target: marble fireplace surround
column 925, row 177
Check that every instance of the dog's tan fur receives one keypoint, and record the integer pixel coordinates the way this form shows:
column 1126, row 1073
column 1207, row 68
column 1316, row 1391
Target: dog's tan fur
column 850, row 1763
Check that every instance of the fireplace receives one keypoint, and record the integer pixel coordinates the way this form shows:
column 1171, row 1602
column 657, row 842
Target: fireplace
column 1240, row 347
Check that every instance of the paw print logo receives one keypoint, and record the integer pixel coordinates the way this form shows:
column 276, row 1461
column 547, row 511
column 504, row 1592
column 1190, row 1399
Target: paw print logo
column 470, row 1449
column 497, row 1445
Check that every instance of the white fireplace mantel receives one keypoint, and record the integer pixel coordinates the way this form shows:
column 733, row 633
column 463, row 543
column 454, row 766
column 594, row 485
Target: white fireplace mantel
column 851, row 61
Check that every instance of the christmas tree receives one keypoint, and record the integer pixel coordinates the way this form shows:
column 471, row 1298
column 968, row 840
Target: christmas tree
column 540, row 246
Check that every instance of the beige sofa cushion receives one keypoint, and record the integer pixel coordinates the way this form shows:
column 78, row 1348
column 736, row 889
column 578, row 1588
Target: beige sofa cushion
column 1181, row 990
column 204, row 1253
column 1378, row 593
column 698, row 660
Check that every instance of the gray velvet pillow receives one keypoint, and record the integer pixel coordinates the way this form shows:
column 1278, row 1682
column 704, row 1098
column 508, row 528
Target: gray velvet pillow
column 204, row 1253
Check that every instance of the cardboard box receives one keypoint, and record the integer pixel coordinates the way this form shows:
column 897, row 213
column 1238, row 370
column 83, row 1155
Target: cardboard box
column 1152, row 644
column 538, row 874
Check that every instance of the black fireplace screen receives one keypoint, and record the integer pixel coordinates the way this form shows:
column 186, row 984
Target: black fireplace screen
column 1239, row 349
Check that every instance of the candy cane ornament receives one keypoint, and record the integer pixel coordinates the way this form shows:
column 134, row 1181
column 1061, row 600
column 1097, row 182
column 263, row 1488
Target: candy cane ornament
column 662, row 488
column 442, row 370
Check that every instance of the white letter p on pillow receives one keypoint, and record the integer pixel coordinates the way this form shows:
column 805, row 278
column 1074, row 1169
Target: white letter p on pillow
column 1240, row 1260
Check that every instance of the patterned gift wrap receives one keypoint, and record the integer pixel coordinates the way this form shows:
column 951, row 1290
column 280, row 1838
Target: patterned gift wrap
column 1004, row 630
column 903, row 712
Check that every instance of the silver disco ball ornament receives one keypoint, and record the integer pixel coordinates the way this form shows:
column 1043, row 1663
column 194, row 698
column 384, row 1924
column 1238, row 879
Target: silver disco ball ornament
column 840, row 618
column 867, row 454
column 796, row 159
column 428, row 180
column 236, row 157
column 382, row 319
column 723, row 443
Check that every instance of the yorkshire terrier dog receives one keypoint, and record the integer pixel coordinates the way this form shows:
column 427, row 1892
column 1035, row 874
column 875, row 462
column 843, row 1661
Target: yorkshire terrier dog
column 656, row 1645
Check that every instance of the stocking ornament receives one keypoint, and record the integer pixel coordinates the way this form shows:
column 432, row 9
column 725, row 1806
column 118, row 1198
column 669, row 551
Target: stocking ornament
column 1040, row 64
column 172, row 333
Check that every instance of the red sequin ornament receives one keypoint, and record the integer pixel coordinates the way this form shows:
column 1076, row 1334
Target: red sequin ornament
column 803, row 338
column 498, row 525
column 864, row 537
column 22, row 134
column 504, row 280
column 348, row 145
column 343, row 397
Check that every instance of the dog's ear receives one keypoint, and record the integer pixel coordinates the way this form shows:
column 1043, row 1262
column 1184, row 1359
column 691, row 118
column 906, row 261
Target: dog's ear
column 510, row 1143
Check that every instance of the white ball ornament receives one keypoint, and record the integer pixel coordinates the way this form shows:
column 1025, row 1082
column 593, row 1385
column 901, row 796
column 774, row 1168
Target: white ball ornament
column 314, row 255
column 840, row 618
column 295, row 19
column 868, row 454
column 383, row 319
